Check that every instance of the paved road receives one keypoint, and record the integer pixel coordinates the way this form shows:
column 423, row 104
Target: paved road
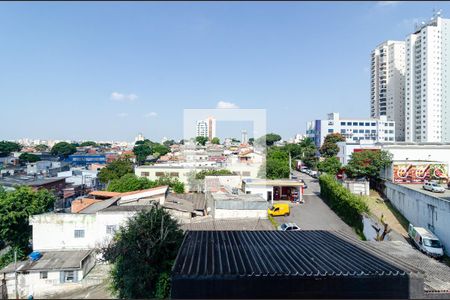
column 314, row 214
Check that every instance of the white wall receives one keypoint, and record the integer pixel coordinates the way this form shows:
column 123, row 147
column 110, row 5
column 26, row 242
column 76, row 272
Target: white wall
column 55, row 231
column 258, row 190
column 239, row 214
column 422, row 210
column 31, row 283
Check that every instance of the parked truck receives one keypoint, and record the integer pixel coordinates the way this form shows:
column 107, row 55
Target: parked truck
column 426, row 241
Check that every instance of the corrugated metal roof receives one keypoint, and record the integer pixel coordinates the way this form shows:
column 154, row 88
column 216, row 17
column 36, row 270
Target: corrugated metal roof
column 275, row 253
column 229, row 224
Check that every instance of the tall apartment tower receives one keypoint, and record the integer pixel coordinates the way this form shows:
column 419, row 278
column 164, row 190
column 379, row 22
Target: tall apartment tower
column 388, row 85
column 202, row 128
column 211, row 127
column 427, row 82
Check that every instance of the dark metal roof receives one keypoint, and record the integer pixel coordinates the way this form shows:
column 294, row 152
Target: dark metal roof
column 274, row 253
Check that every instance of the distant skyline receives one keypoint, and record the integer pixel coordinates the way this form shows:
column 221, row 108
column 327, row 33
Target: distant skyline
column 108, row 71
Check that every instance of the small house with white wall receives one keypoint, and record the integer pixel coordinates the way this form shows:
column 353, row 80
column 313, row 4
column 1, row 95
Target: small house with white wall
column 53, row 272
column 273, row 190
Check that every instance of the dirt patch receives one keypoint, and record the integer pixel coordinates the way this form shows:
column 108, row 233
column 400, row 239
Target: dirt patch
column 382, row 208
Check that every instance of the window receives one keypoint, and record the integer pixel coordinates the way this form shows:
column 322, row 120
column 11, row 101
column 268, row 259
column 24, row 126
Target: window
column 246, row 173
column 373, row 124
column 79, row 233
column 355, row 123
column 342, row 123
column 67, row 276
column 361, row 131
column 111, row 229
column 367, row 124
column 342, row 130
column 330, row 130
column 174, row 174
column 145, row 174
column 349, row 123
column 361, row 123
column 43, row 275
column 159, row 174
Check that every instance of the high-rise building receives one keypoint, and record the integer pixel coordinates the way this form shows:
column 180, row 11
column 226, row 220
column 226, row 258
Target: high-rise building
column 388, row 84
column 211, row 127
column 427, row 82
column 244, row 137
column 202, row 128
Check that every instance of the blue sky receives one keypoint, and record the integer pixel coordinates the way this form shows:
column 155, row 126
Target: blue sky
column 107, row 71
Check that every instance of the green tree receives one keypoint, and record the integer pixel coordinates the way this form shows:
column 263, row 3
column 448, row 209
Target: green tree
column 201, row 140
column 368, row 163
column 204, row 173
column 169, row 143
column 251, row 141
column 41, row 148
column 330, row 165
column 176, row 185
column 142, row 151
column 329, row 147
column 142, row 254
column 309, row 151
column 63, row 149
column 88, row 144
column 28, row 157
column 277, row 164
column 215, row 140
column 115, row 170
column 160, row 149
column 271, row 138
column 130, row 182
column 15, row 209
column 7, row 147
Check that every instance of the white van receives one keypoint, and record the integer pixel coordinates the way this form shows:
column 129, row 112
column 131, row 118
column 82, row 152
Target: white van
column 427, row 242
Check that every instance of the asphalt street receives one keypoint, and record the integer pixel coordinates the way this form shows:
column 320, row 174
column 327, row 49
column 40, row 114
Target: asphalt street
column 314, row 214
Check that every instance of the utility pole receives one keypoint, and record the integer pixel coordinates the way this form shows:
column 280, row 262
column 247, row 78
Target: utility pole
column 290, row 166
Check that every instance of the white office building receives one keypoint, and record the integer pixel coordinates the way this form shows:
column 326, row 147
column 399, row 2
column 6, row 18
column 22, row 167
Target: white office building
column 376, row 130
column 388, row 84
column 427, row 82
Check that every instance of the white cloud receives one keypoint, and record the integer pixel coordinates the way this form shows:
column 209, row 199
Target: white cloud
column 122, row 115
column 115, row 96
column 151, row 114
column 225, row 105
column 387, row 3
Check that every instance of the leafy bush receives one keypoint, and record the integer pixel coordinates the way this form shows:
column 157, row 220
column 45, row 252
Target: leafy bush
column 204, row 173
column 347, row 206
column 131, row 182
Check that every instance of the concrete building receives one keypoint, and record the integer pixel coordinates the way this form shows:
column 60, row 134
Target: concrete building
column 270, row 190
column 427, row 82
column 402, row 151
column 77, row 176
column 388, row 84
column 46, row 167
column 376, row 130
column 225, row 205
column 54, row 272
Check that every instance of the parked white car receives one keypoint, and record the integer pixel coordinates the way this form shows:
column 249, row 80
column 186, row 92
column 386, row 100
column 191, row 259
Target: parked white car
column 433, row 187
column 288, row 227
